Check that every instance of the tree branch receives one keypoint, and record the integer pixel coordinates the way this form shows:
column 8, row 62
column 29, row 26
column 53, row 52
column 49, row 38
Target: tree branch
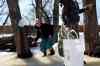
column 45, row 3
column 33, row 3
column 2, row 3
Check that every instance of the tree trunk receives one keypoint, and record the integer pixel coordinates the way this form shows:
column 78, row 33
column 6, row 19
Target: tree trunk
column 90, row 26
column 21, row 46
column 38, row 8
column 56, row 12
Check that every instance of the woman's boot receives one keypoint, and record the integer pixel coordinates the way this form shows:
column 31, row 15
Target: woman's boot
column 52, row 52
column 44, row 54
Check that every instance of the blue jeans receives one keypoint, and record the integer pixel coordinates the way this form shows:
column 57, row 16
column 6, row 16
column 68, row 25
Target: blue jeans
column 46, row 44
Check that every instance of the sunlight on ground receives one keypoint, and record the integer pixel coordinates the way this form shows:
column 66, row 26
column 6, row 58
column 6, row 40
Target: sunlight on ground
column 44, row 60
column 91, row 59
column 7, row 59
column 10, row 59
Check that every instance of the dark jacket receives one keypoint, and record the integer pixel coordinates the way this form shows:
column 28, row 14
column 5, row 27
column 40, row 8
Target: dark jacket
column 46, row 30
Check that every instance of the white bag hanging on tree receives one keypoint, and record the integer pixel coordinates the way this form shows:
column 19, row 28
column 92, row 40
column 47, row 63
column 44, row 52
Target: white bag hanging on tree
column 73, row 50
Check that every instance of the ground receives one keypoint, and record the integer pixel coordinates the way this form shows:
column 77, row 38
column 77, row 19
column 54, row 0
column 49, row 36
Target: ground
column 10, row 59
column 92, row 61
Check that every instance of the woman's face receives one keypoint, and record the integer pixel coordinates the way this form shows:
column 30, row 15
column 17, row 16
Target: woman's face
column 38, row 23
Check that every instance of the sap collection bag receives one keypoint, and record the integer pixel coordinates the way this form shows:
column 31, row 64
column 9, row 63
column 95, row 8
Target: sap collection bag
column 73, row 48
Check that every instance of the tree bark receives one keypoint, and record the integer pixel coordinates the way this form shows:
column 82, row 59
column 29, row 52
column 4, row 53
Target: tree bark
column 90, row 26
column 19, row 37
column 56, row 12
column 38, row 8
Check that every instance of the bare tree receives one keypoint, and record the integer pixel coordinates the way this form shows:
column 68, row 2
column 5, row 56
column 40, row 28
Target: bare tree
column 22, row 48
column 56, row 12
column 38, row 8
column 40, row 11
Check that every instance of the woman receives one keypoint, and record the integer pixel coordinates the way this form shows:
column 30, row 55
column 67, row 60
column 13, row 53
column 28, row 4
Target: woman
column 47, row 38
column 46, row 33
